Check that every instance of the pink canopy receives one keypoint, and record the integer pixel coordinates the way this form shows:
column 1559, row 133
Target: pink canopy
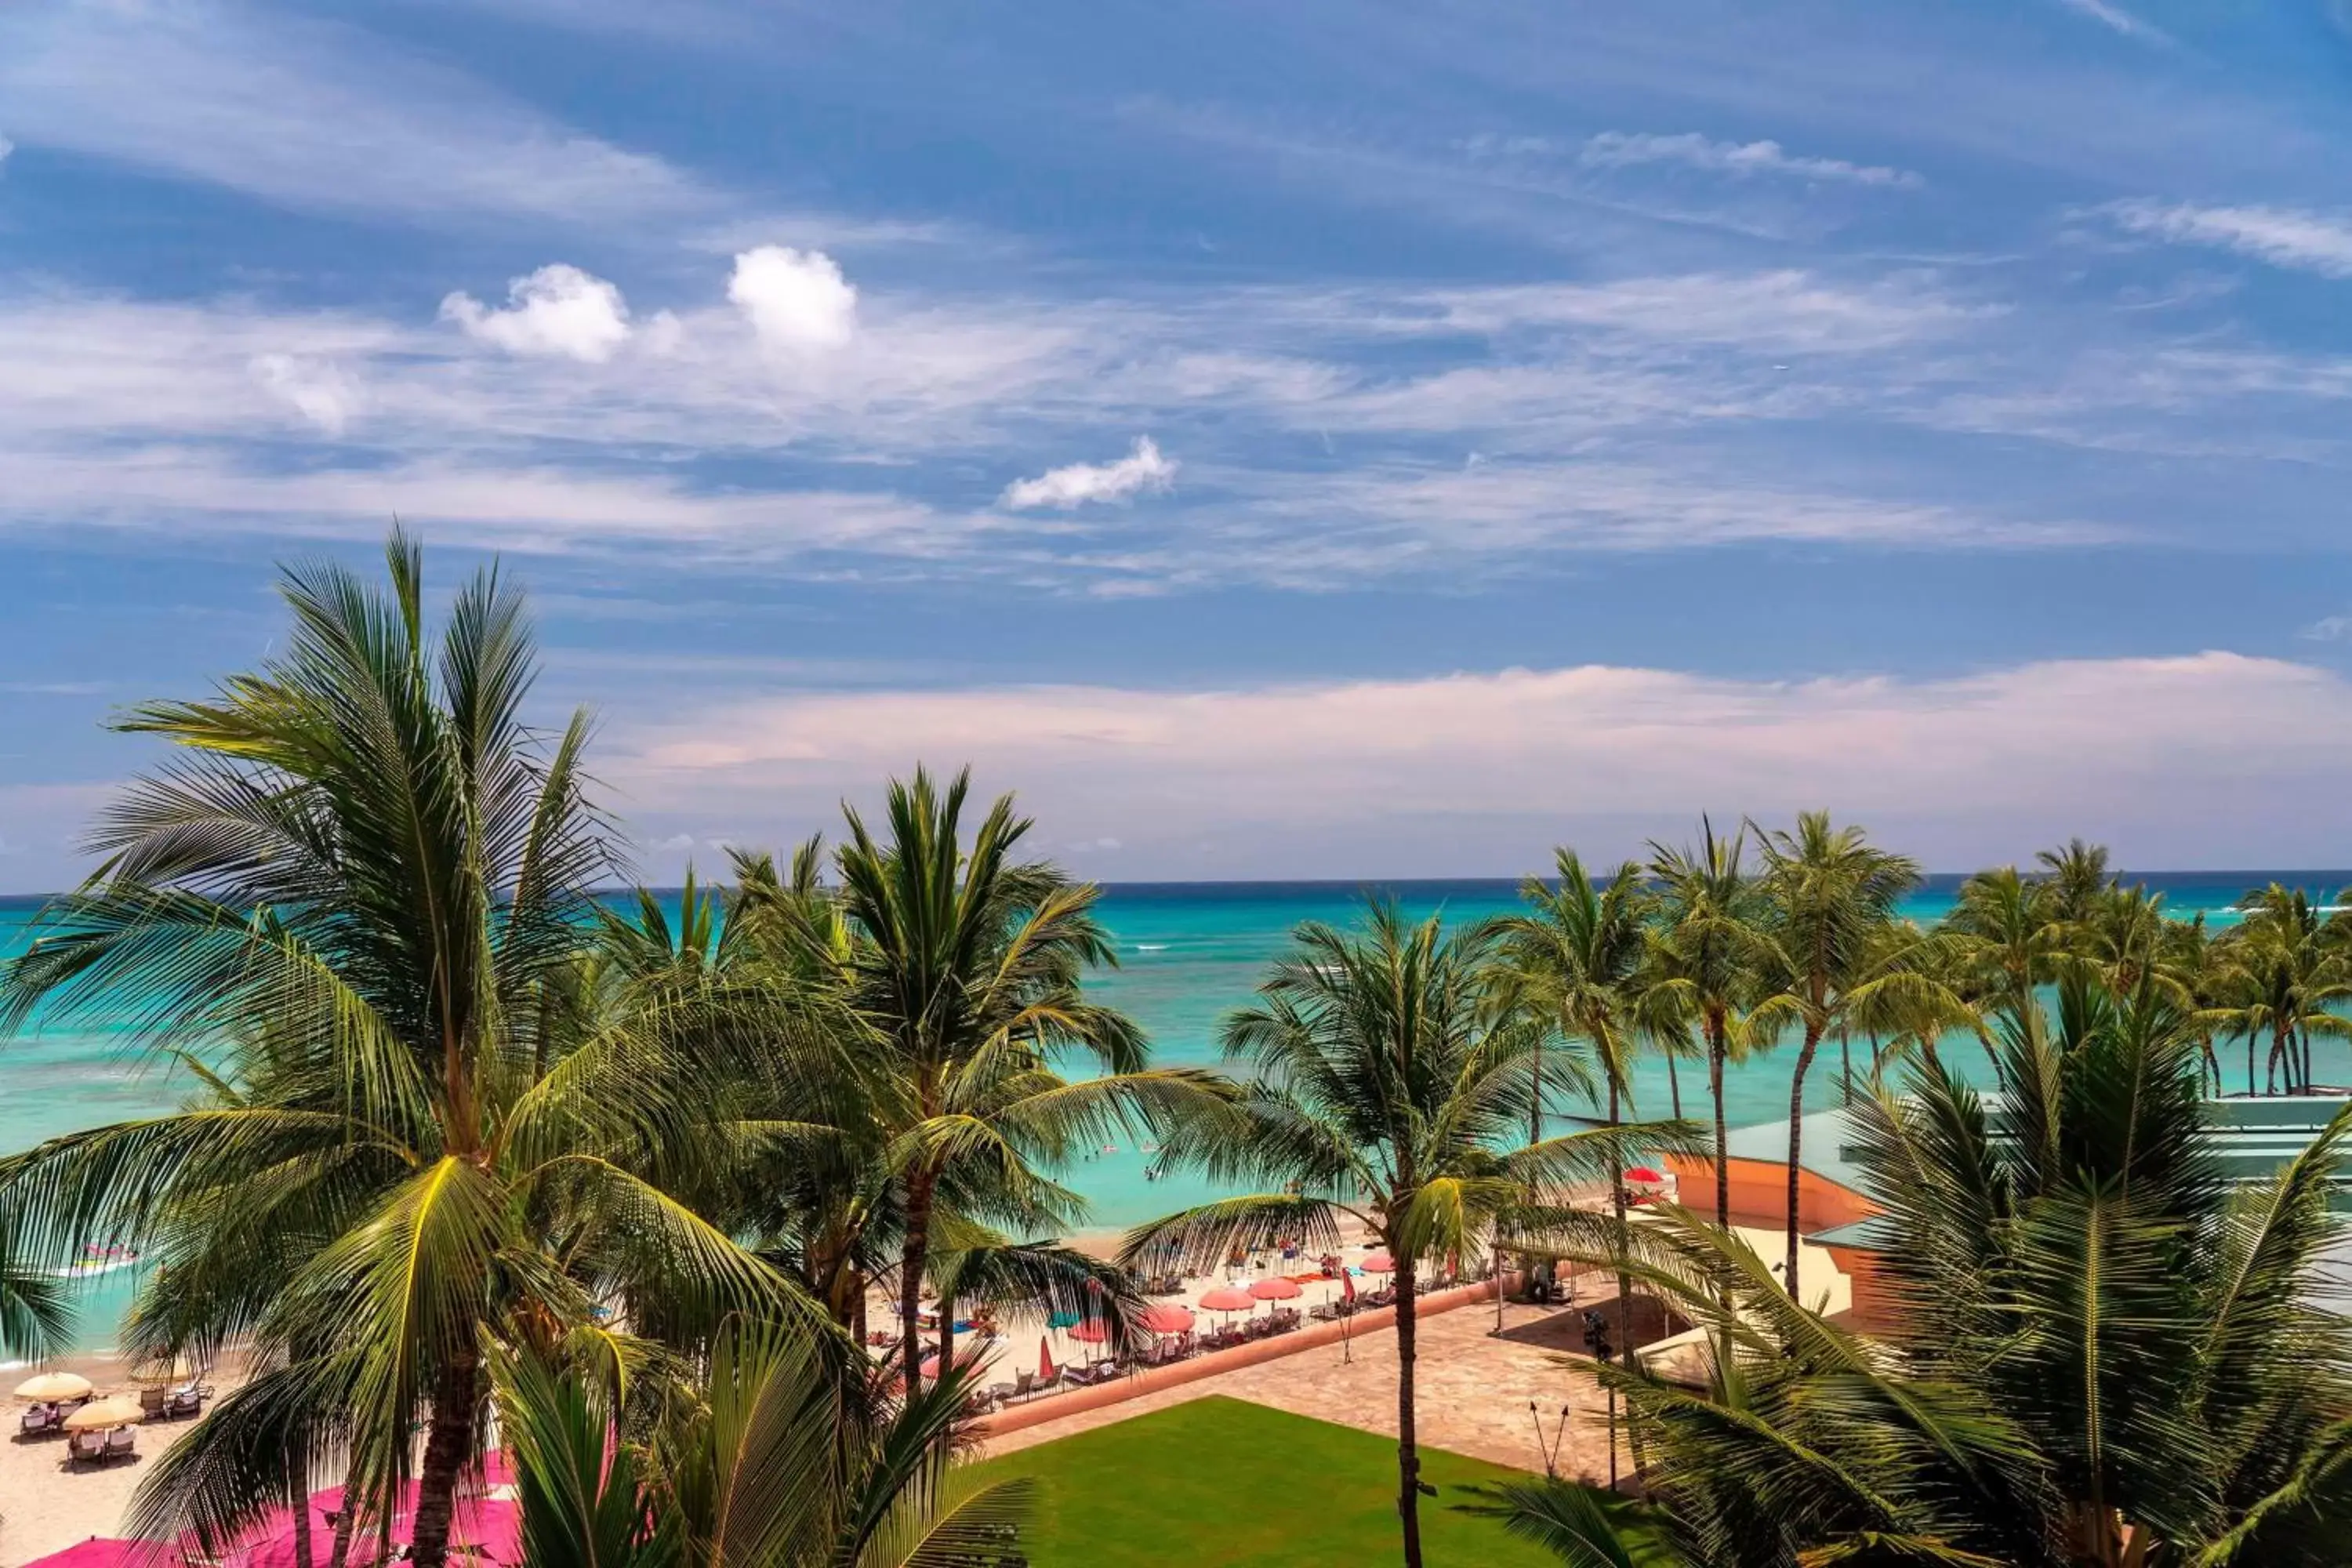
column 98, row 1551
column 1378, row 1263
column 1275, row 1287
column 1090, row 1331
column 1228, row 1299
column 1167, row 1320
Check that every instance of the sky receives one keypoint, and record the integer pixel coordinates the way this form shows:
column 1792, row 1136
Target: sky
column 1315, row 440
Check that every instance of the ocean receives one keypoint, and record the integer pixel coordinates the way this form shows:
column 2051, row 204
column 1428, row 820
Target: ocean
column 1189, row 953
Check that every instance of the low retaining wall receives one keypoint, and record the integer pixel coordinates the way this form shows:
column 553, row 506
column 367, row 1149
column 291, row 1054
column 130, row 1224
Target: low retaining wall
column 1191, row 1369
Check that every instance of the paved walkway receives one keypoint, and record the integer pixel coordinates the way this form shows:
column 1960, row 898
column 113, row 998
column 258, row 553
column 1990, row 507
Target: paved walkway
column 1474, row 1390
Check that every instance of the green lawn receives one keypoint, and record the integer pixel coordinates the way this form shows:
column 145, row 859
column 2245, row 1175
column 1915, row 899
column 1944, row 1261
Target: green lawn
column 1221, row 1481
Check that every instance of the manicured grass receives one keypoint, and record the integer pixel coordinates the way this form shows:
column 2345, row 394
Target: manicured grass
column 1217, row 1481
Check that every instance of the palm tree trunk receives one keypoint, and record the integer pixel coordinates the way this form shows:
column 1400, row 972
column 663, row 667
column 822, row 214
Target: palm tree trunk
column 1714, row 1054
column 1845, row 1055
column 448, row 1444
column 339, row 1550
column 947, row 1335
column 911, row 1259
column 2305, row 1035
column 1797, row 1144
column 297, row 1490
column 2250, row 1064
column 1674, row 1082
column 1624, row 1279
column 1408, row 1448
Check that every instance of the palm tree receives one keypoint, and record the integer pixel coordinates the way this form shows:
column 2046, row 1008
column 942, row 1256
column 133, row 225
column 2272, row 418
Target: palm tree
column 1575, row 958
column 766, row 1457
column 1378, row 1092
column 2106, row 1354
column 349, row 903
column 2277, row 974
column 1830, row 901
column 962, row 967
column 1704, row 963
column 2003, row 936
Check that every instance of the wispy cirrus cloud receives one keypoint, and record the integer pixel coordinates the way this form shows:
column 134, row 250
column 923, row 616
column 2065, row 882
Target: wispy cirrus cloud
column 310, row 114
column 1625, row 149
column 2293, row 237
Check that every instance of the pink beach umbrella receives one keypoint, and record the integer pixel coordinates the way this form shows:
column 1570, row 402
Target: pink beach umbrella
column 1090, row 1331
column 1275, row 1287
column 1167, row 1320
column 1378, row 1263
column 1228, row 1299
column 98, row 1551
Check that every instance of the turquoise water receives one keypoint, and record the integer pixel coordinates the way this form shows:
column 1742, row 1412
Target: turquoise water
column 1189, row 953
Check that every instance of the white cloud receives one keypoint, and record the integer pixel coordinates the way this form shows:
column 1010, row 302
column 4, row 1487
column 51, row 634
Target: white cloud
column 673, row 844
column 318, row 390
column 1401, row 770
column 1618, row 149
column 2117, row 19
column 1142, row 469
column 558, row 309
column 794, row 299
column 2285, row 236
column 310, row 114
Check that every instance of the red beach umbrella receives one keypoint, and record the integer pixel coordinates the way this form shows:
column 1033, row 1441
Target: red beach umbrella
column 1228, row 1299
column 1644, row 1174
column 1089, row 1332
column 1378, row 1263
column 1274, row 1287
column 1045, row 1372
column 1167, row 1320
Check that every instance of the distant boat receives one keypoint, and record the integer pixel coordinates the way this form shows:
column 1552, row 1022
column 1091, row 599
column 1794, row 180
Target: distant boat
column 97, row 1260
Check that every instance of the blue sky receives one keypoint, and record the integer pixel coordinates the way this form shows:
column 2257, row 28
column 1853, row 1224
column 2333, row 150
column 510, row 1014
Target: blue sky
column 1317, row 439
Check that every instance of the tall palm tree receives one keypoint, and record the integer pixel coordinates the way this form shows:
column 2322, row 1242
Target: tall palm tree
column 2277, row 973
column 2106, row 1354
column 1378, row 1092
column 963, row 967
column 1705, row 963
column 1575, row 957
column 1829, row 900
column 351, row 895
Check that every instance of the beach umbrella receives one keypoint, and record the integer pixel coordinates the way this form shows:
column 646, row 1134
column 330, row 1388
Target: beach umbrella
column 176, row 1370
column 98, row 1551
column 53, row 1386
column 1228, row 1299
column 1275, row 1287
column 1090, row 1333
column 1045, row 1372
column 1167, row 1320
column 1646, row 1175
column 1378, row 1263
column 118, row 1411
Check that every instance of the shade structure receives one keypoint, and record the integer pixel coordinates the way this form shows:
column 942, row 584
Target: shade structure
column 51, row 1385
column 98, row 1551
column 1378, row 1263
column 1167, row 1320
column 1228, row 1299
column 118, row 1411
column 967, row 1355
column 1045, row 1372
column 1645, row 1174
column 167, row 1371
column 1091, row 1332
column 1275, row 1287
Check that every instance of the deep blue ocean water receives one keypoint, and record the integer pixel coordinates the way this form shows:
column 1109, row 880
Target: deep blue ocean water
column 1189, row 953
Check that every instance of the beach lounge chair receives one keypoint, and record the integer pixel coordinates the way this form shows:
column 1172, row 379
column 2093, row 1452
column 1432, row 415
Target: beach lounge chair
column 85, row 1448
column 151, row 1403
column 38, row 1419
column 188, row 1399
column 121, row 1443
